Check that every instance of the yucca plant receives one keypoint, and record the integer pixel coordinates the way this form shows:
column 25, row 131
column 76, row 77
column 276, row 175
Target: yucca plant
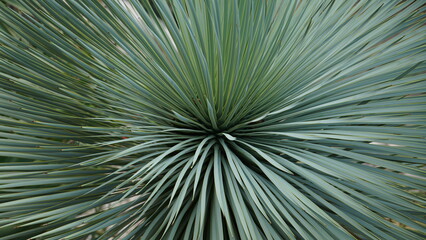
column 212, row 119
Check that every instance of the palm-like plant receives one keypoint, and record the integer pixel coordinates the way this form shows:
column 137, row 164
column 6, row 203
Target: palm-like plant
column 212, row 119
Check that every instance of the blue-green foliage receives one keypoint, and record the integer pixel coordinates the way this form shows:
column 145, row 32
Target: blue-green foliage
column 212, row 119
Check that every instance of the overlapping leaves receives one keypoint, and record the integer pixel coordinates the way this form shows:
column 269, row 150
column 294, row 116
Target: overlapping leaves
column 212, row 119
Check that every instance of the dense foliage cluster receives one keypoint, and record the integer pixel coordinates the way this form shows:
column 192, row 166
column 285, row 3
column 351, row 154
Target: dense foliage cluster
column 224, row 119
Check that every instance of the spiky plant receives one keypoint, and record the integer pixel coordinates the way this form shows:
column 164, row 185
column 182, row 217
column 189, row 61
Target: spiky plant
column 212, row 120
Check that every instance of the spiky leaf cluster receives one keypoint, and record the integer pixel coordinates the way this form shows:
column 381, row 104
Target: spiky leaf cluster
column 224, row 119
